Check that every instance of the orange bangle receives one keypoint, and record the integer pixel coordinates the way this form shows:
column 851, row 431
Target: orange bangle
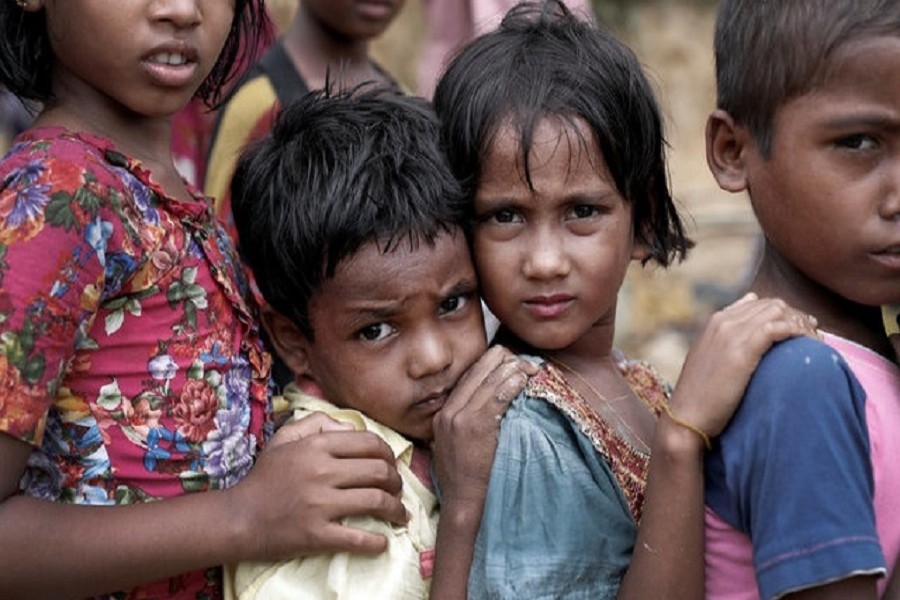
column 690, row 426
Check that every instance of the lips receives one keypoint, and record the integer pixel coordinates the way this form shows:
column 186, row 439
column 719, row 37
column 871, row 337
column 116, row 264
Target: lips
column 550, row 306
column 171, row 65
column 376, row 9
column 432, row 403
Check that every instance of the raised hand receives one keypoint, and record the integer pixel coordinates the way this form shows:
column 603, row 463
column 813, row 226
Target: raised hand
column 722, row 360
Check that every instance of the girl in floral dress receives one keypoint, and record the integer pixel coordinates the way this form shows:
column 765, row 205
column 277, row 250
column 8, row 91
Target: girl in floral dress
column 133, row 386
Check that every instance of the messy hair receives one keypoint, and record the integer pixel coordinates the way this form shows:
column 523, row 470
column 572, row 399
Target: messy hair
column 338, row 171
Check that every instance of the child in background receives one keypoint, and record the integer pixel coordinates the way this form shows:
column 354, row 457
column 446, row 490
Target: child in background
column 350, row 220
column 554, row 130
column 326, row 39
column 134, row 384
column 803, row 489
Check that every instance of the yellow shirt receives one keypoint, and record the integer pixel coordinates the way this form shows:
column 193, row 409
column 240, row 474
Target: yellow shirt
column 396, row 574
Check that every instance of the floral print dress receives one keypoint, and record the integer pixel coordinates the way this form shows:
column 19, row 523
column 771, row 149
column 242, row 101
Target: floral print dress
column 129, row 357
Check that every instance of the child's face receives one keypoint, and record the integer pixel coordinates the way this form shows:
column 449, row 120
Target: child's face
column 551, row 259
column 828, row 197
column 354, row 19
column 394, row 332
column 143, row 56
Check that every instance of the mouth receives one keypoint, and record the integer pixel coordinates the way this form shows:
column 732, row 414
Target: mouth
column 377, row 9
column 171, row 65
column 889, row 256
column 550, row 306
column 432, row 403
column 173, row 59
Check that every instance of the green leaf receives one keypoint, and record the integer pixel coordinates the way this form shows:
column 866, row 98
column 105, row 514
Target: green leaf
column 190, row 313
column 88, row 200
column 110, row 396
column 34, row 369
column 189, row 275
column 59, row 211
column 114, row 321
column 133, row 307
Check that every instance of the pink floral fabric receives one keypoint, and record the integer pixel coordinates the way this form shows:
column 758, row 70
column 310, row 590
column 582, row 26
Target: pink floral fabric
column 129, row 357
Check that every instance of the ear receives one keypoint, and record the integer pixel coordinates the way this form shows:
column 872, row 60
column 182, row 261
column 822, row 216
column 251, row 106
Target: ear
column 640, row 250
column 31, row 5
column 726, row 147
column 289, row 342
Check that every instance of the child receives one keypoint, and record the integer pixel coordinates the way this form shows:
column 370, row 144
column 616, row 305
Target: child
column 134, row 385
column 349, row 219
column 808, row 122
column 554, row 130
column 326, row 39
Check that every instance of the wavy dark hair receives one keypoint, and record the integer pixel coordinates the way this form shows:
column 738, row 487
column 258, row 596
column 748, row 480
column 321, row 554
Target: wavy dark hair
column 26, row 59
column 541, row 62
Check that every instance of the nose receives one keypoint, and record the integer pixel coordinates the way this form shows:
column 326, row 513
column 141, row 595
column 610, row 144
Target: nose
column 545, row 255
column 183, row 13
column 890, row 206
column 431, row 354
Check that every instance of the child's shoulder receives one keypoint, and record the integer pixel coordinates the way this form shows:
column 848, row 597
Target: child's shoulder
column 801, row 358
column 59, row 157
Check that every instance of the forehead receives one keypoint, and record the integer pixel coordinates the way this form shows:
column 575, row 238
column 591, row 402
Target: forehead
column 552, row 140
column 408, row 268
column 861, row 82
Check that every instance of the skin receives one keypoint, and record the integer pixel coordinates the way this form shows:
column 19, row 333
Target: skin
column 833, row 167
column 571, row 236
column 329, row 39
column 313, row 474
column 394, row 331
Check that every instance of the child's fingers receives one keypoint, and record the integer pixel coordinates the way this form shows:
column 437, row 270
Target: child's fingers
column 489, row 372
column 341, row 538
column 364, row 501
column 310, row 425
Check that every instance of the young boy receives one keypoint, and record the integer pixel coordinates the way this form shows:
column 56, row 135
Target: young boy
column 802, row 491
column 349, row 217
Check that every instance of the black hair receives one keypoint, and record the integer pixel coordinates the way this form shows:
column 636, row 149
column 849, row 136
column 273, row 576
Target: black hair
column 338, row 171
column 542, row 62
column 26, row 58
column 771, row 51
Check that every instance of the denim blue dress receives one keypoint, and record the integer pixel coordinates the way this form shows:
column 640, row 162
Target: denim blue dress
column 564, row 498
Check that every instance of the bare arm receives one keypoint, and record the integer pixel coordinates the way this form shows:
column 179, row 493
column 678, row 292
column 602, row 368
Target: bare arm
column 668, row 555
column 291, row 503
column 466, row 433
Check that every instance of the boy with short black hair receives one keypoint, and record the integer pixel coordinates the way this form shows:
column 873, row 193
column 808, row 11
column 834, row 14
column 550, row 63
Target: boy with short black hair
column 802, row 489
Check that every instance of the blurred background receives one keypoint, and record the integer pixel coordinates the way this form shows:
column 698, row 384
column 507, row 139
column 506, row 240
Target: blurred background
column 660, row 310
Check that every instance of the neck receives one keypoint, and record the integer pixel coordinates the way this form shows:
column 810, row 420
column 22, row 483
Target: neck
column 862, row 324
column 317, row 51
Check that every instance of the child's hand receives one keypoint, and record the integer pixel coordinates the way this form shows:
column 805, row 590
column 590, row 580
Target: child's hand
column 467, row 427
column 313, row 474
column 721, row 362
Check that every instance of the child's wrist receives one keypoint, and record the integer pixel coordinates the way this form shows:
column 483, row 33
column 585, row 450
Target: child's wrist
column 676, row 441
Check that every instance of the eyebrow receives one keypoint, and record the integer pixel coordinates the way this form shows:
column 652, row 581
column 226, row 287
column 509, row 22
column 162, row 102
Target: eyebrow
column 863, row 120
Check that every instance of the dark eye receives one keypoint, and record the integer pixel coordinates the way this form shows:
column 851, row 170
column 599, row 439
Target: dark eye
column 858, row 141
column 505, row 215
column 375, row 333
column 584, row 211
column 453, row 303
